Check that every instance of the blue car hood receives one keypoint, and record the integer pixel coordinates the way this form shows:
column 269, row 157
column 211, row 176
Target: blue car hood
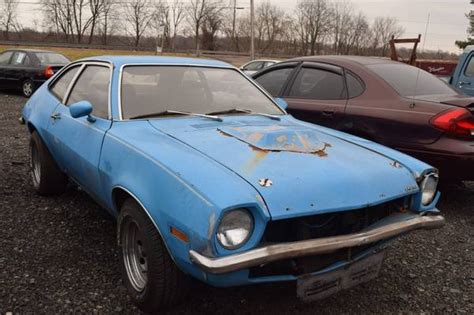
column 297, row 170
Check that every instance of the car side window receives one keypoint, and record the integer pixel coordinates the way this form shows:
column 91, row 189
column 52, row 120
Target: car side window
column 60, row 86
column 469, row 72
column 18, row 58
column 5, row 57
column 274, row 80
column 355, row 86
column 254, row 66
column 318, row 84
column 93, row 86
column 27, row 61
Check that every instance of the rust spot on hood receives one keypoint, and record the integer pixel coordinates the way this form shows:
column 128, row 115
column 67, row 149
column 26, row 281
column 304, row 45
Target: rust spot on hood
column 257, row 157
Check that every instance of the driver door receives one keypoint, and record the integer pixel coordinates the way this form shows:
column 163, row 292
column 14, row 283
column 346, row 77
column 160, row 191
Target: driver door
column 79, row 140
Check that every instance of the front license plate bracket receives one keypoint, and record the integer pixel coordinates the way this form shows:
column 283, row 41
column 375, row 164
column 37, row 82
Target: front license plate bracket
column 316, row 287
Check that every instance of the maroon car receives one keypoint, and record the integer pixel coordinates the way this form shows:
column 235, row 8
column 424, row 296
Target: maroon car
column 389, row 102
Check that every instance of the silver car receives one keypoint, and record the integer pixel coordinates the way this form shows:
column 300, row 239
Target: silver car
column 256, row 65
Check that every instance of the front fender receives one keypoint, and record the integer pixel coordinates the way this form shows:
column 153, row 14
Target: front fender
column 174, row 192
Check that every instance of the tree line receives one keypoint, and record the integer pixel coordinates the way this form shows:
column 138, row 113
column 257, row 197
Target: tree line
column 312, row 27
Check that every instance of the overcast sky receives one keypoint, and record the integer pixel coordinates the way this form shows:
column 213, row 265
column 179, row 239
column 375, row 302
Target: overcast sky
column 447, row 20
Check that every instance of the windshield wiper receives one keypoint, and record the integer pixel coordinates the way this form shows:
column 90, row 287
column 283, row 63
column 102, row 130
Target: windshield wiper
column 242, row 110
column 176, row 112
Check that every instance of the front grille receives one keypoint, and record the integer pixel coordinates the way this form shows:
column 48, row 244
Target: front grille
column 329, row 224
column 320, row 226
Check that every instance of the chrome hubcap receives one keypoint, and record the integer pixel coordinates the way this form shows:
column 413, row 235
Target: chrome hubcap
column 35, row 165
column 134, row 255
column 27, row 88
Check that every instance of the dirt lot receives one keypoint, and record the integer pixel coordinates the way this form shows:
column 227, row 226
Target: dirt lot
column 59, row 255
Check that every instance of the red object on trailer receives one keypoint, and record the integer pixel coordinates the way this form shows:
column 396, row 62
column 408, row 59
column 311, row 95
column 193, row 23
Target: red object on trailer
column 440, row 68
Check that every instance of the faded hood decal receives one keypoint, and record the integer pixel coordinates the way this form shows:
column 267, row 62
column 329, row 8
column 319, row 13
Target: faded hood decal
column 278, row 138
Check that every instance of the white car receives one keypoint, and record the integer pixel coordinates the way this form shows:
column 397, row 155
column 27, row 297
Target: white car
column 256, row 65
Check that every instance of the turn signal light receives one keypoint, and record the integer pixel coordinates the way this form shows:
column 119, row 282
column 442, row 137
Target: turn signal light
column 456, row 122
column 48, row 72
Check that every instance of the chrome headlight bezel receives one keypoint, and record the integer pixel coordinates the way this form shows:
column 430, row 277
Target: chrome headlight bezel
column 429, row 188
column 237, row 220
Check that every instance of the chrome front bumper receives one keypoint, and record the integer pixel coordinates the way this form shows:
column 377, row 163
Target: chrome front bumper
column 395, row 226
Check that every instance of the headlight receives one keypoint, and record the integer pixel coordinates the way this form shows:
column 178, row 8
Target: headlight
column 235, row 228
column 428, row 188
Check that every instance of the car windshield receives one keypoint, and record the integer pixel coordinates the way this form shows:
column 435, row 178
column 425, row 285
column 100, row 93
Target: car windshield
column 410, row 81
column 154, row 89
column 51, row 58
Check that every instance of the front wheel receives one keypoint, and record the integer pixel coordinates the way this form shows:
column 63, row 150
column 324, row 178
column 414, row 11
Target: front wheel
column 150, row 275
column 27, row 88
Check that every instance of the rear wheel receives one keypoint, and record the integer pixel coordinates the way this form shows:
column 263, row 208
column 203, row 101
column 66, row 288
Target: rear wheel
column 150, row 275
column 27, row 88
column 46, row 175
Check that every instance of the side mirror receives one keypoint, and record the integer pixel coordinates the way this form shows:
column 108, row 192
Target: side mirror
column 281, row 102
column 81, row 109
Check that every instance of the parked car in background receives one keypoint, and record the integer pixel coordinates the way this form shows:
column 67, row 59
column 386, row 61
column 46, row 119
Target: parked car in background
column 463, row 76
column 210, row 178
column 27, row 69
column 256, row 65
column 388, row 102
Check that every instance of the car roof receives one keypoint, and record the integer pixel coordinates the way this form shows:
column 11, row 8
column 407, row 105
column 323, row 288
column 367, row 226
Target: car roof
column 31, row 50
column 144, row 60
column 354, row 60
column 262, row 60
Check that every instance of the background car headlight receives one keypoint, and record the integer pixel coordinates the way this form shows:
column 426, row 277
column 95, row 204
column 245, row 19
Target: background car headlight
column 235, row 228
column 428, row 188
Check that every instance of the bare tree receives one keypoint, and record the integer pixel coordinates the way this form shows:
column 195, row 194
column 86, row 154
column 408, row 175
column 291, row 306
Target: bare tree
column 212, row 24
column 177, row 16
column 59, row 13
column 350, row 31
column 73, row 18
column 383, row 29
column 314, row 18
column 138, row 16
column 106, row 19
column 8, row 17
column 96, row 8
column 269, row 24
column 196, row 14
column 161, row 22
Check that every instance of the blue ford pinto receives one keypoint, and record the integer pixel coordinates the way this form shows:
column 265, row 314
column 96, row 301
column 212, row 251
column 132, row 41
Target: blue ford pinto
column 210, row 178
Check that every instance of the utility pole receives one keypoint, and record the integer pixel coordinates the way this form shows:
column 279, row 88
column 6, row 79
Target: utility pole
column 233, row 19
column 252, row 31
column 426, row 33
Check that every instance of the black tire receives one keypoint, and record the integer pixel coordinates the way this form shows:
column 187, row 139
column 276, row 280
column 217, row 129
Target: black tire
column 27, row 88
column 46, row 175
column 165, row 284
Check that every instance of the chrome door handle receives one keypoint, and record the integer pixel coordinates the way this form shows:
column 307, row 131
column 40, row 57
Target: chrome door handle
column 461, row 83
column 328, row 113
column 56, row 116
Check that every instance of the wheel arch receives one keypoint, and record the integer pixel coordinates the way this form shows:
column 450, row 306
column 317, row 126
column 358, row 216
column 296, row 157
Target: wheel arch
column 31, row 127
column 119, row 195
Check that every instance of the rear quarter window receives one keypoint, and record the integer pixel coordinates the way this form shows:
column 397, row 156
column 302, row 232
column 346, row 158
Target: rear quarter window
column 60, row 86
column 355, row 86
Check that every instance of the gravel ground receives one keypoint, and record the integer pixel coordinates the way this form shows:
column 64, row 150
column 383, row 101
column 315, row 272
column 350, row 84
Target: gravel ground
column 58, row 255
